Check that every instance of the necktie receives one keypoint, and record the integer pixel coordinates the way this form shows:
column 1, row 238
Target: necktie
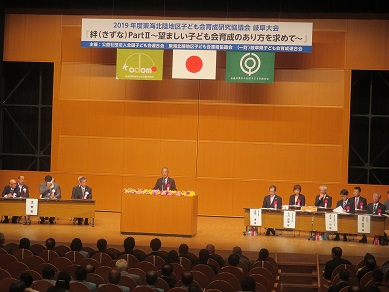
column 344, row 204
column 375, row 208
column 83, row 191
column 356, row 203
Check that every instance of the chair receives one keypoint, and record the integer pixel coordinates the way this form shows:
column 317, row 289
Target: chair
column 109, row 288
column 260, row 288
column 186, row 263
column 263, row 281
column 35, row 275
column 89, row 261
column 128, row 282
column 264, row 272
column 61, row 263
column 16, row 268
column 3, row 251
column 48, row 255
column 6, row 259
column 22, row 253
column 72, row 270
column 4, row 274
column 205, row 269
column 88, row 249
column 13, row 246
column 267, row 265
column 273, row 263
column 95, row 278
column 230, row 278
column 384, row 264
column 113, row 251
column 102, row 258
column 143, row 289
column 350, row 268
column 201, row 278
column 103, row 272
column 220, row 285
column 157, row 261
column 162, row 284
column 178, row 270
column 137, row 271
column 61, row 250
column 130, row 258
column 345, row 289
column 179, row 289
column 233, row 270
column 33, row 261
column 179, row 283
column 146, row 266
column 360, row 264
column 75, row 256
column 40, row 267
column 37, row 248
column 6, row 282
column 366, row 279
column 41, row 285
column 214, row 263
column 140, row 252
column 78, row 287
column 163, row 253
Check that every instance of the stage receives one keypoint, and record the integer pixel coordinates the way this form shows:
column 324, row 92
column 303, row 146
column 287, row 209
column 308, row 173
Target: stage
column 224, row 233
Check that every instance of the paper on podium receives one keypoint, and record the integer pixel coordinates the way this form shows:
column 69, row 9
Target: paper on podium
column 338, row 210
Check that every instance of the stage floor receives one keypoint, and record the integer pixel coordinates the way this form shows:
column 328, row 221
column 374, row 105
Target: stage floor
column 224, row 233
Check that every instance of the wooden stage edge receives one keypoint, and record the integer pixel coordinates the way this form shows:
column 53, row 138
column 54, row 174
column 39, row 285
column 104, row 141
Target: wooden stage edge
column 223, row 232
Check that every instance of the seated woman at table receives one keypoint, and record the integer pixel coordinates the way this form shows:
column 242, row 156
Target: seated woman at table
column 297, row 198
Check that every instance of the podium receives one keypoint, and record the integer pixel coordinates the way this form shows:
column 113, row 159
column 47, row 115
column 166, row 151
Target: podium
column 164, row 215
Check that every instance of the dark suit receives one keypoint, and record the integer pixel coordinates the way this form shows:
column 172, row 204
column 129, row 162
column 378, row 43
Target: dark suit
column 9, row 190
column 331, row 265
column 370, row 209
column 267, row 203
column 161, row 185
column 45, row 194
column 82, row 194
column 22, row 191
column 350, row 208
column 338, row 287
column 292, row 200
column 362, row 203
column 321, row 202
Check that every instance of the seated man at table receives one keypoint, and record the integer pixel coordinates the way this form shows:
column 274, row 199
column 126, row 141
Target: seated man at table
column 9, row 192
column 374, row 208
column 22, row 191
column 165, row 183
column 49, row 189
column 323, row 199
column 347, row 206
column 272, row 201
column 386, row 203
column 82, row 192
column 297, row 199
column 360, row 202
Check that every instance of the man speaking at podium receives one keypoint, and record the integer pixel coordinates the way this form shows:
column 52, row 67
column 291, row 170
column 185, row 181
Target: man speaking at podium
column 165, row 183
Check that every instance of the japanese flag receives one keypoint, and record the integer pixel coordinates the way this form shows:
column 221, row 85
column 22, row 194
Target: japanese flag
column 192, row 64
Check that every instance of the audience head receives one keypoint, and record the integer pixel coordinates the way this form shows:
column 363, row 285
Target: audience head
column 336, row 252
column 210, row 248
column 187, row 278
column 26, row 278
column 354, row 289
column 24, row 243
column 203, row 256
column 50, row 243
column 76, row 244
column 114, row 276
column 63, row 280
column 248, row 284
column 17, row 286
column 102, row 244
column 2, row 238
column 129, row 243
column 237, row 250
column 194, row 288
column 81, row 273
column 370, row 263
column 344, row 274
column 367, row 255
column 151, row 277
column 167, row 270
column 90, row 268
column 155, row 244
column 48, row 272
column 172, row 256
column 121, row 265
column 183, row 248
column 233, row 259
column 263, row 254
column 48, row 178
column 56, row 289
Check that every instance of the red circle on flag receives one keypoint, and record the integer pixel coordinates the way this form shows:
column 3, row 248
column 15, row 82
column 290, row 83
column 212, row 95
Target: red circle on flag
column 153, row 68
column 194, row 64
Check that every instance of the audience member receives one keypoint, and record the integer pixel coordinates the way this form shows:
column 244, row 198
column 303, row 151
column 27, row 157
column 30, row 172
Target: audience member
column 203, row 259
column 80, row 276
column 166, row 274
column 50, row 243
column 48, row 273
column 194, row 288
column 183, row 251
column 213, row 255
column 17, row 286
column 155, row 245
column 129, row 244
column 76, row 245
column 248, row 284
column 377, row 277
column 121, row 265
column 2, row 244
column 90, row 268
column 102, row 247
column 354, row 289
column 344, row 275
column 151, row 280
column 245, row 260
column 114, row 277
column 370, row 265
column 336, row 261
column 24, row 243
column 28, row 280
column 172, row 257
column 263, row 255
column 63, row 280
column 56, row 289
column 187, row 280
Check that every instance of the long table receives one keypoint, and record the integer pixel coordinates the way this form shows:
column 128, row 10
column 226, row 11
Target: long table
column 147, row 214
column 50, row 208
column 315, row 221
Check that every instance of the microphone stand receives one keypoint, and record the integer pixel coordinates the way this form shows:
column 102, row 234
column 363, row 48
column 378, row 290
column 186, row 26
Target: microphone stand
column 311, row 237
